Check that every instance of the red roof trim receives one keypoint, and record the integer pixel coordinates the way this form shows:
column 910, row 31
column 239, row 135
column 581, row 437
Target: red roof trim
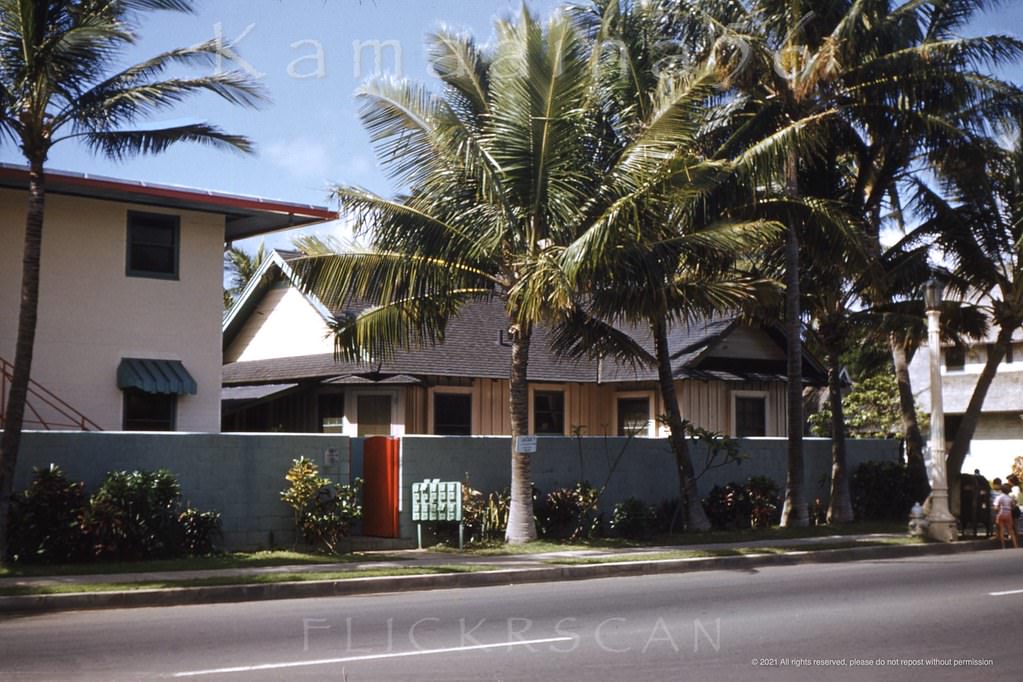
column 228, row 201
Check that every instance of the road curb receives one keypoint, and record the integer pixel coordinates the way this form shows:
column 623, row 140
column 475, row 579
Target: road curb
column 182, row 596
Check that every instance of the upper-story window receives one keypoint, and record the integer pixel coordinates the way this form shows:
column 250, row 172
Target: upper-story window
column 154, row 241
column 955, row 358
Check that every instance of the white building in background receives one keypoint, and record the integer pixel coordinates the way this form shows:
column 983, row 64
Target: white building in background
column 130, row 301
column 998, row 439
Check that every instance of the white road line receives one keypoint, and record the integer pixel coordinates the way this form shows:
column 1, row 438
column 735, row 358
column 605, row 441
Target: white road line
column 1002, row 594
column 369, row 657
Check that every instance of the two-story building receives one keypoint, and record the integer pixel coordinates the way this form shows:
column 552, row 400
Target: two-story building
column 130, row 303
column 998, row 438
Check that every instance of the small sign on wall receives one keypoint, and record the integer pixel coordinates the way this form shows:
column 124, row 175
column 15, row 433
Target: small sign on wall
column 331, row 458
column 525, row 444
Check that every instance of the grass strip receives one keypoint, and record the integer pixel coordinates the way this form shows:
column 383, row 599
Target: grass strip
column 679, row 539
column 262, row 579
column 727, row 552
column 218, row 561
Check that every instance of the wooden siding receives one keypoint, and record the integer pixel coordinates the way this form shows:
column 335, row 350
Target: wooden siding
column 708, row 404
column 590, row 408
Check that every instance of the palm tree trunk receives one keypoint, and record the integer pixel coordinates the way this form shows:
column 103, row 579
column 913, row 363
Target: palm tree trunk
column 961, row 445
column 24, row 345
column 689, row 495
column 521, row 526
column 840, row 505
column 919, row 486
column 794, row 511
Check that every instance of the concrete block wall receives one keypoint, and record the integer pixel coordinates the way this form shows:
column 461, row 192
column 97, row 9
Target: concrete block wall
column 645, row 470
column 239, row 475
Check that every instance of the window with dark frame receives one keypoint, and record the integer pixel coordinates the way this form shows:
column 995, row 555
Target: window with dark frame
column 149, row 411
column 750, row 416
column 452, row 414
column 955, row 358
column 549, row 412
column 633, row 416
column 153, row 245
column 332, row 412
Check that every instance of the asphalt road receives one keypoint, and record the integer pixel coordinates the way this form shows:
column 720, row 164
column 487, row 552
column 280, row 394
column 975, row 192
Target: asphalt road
column 893, row 619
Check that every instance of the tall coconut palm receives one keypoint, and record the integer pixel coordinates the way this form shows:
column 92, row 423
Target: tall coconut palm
column 885, row 79
column 58, row 83
column 678, row 259
column 978, row 222
column 783, row 56
column 523, row 157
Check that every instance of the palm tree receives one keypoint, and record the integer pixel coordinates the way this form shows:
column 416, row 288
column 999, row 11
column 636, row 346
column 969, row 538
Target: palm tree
column 241, row 266
column 884, row 81
column 522, row 157
column 56, row 85
column 678, row 261
column 978, row 223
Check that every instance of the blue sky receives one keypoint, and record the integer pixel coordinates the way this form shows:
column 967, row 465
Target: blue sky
column 310, row 135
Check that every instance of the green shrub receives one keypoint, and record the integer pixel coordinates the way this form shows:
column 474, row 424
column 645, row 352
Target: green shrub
column 881, row 492
column 754, row 504
column 134, row 515
column 45, row 520
column 200, row 532
column 484, row 517
column 632, row 519
column 569, row 513
column 727, row 506
column 764, row 501
column 324, row 511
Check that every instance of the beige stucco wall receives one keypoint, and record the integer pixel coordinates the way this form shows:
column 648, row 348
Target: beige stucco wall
column 91, row 314
column 282, row 325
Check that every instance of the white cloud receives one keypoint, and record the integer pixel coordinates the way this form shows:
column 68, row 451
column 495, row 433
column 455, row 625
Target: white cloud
column 302, row 157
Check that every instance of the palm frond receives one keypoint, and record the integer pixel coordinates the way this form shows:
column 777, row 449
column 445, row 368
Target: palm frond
column 121, row 144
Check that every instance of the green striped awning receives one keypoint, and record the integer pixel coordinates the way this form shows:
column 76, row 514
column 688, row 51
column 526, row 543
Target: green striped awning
column 156, row 376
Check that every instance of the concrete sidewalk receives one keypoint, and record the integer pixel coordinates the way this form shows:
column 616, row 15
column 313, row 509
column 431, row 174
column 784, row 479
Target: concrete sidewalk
column 491, row 570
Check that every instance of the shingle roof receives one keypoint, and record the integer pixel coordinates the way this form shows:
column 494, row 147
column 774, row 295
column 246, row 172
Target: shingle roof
column 476, row 345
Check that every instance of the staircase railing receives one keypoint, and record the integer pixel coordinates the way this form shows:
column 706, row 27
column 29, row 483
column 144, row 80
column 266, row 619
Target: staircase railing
column 58, row 413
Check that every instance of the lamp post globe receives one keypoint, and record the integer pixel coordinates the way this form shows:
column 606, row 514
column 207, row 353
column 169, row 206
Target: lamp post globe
column 933, row 293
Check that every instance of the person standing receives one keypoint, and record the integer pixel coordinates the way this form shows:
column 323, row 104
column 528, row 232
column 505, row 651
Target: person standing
column 1003, row 516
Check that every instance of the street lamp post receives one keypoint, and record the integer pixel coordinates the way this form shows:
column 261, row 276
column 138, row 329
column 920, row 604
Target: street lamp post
column 941, row 523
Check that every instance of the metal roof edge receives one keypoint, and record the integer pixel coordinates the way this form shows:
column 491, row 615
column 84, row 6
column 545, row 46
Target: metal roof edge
column 180, row 192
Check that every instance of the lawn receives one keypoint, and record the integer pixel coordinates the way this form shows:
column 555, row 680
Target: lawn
column 228, row 560
column 732, row 551
column 261, row 579
column 678, row 539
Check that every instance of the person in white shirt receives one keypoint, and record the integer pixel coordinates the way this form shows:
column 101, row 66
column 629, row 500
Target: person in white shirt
column 1003, row 516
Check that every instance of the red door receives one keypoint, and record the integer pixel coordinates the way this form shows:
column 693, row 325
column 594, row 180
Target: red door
column 380, row 487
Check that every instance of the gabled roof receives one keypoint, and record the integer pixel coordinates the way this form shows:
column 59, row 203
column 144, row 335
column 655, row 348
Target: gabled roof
column 244, row 216
column 476, row 345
